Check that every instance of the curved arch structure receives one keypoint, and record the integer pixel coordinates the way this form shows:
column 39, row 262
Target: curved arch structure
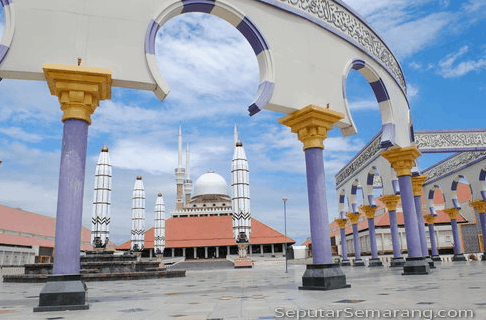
column 9, row 14
column 295, row 70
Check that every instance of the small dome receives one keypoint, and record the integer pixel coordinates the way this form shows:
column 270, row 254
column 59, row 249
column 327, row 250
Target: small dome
column 210, row 183
column 104, row 149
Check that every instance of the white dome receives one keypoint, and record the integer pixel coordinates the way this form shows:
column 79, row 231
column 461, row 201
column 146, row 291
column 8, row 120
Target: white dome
column 210, row 183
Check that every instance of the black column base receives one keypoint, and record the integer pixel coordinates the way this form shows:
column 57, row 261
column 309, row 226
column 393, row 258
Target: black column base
column 459, row 257
column 326, row 276
column 63, row 292
column 375, row 263
column 415, row 266
column 397, row 262
column 358, row 263
column 430, row 262
column 436, row 259
column 345, row 263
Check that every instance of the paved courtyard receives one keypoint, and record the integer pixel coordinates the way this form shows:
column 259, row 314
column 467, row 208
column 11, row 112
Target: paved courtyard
column 267, row 292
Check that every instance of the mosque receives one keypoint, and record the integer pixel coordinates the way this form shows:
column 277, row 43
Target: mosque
column 208, row 222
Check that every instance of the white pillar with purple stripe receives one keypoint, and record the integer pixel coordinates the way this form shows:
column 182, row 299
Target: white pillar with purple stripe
column 138, row 216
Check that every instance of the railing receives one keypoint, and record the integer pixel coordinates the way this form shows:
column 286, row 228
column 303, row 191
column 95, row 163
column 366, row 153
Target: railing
column 9, row 269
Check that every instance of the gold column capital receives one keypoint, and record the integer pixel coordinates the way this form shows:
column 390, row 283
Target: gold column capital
column 311, row 124
column 429, row 218
column 417, row 183
column 341, row 223
column 452, row 212
column 79, row 89
column 402, row 159
column 369, row 211
column 354, row 217
column 479, row 205
column 390, row 201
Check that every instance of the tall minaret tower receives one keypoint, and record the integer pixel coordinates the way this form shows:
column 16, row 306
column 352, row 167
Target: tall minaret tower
column 138, row 216
column 240, row 184
column 179, row 173
column 100, row 223
column 159, row 225
column 188, row 181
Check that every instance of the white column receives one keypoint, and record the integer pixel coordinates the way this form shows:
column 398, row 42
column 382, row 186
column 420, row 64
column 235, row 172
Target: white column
column 184, row 252
column 206, row 252
column 100, row 222
column 195, row 252
column 173, row 252
column 227, row 250
column 138, row 215
column 159, row 225
column 273, row 249
column 261, row 250
column 217, row 252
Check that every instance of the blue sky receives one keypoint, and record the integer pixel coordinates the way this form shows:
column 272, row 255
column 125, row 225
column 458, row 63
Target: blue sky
column 213, row 76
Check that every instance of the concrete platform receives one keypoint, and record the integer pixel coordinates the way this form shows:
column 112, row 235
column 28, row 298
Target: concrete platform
column 265, row 292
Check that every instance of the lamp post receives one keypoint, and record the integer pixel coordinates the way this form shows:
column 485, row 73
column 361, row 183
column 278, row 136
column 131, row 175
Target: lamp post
column 285, row 226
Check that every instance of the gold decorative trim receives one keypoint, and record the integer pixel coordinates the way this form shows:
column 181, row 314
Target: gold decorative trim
column 341, row 223
column 353, row 217
column 479, row 205
column 402, row 159
column 417, row 184
column 390, row 201
column 311, row 124
column 452, row 212
column 369, row 211
column 429, row 218
column 79, row 89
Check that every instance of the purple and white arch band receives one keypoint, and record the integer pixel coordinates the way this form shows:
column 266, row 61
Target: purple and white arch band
column 244, row 25
column 8, row 8
column 382, row 97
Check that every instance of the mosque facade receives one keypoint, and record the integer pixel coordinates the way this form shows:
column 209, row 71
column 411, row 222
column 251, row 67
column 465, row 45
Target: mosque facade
column 208, row 221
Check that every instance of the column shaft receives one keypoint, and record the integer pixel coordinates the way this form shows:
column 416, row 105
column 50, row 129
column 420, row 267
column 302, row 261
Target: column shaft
column 482, row 218
column 316, row 190
column 357, row 248
column 371, row 229
column 421, row 225
column 70, row 197
column 433, row 244
column 410, row 217
column 457, row 238
column 394, row 233
column 343, row 244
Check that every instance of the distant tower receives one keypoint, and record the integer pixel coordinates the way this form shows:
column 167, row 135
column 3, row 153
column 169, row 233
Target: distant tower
column 240, row 184
column 179, row 173
column 188, row 181
column 138, row 216
column 159, row 225
column 100, row 222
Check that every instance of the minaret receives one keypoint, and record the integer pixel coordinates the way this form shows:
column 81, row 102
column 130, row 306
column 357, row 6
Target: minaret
column 100, row 222
column 240, row 184
column 179, row 173
column 138, row 216
column 159, row 225
column 188, row 181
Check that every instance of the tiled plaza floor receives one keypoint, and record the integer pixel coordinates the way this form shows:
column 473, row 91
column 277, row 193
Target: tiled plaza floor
column 267, row 292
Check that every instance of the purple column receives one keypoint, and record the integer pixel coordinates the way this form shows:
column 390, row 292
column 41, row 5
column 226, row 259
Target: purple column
column 433, row 244
column 421, row 225
column 343, row 244
column 357, row 249
column 316, row 190
column 455, row 235
column 482, row 218
column 371, row 228
column 410, row 217
column 70, row 197
column 394, row 233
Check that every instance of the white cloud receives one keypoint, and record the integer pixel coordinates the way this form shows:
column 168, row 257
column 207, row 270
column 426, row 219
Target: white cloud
column 21, row 134
column 412, row 90
column 363, row 105
column 449, row 67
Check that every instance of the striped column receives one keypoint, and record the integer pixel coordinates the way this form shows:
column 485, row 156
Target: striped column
column 159, row 226
column 369, row 211
column 342, row 229
column 138, row 216
column 417, row 186
column 354, row 218
column 100, row 222
column 433, row 244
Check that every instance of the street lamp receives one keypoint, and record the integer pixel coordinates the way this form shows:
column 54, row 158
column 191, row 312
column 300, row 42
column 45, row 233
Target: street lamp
column 285, row 224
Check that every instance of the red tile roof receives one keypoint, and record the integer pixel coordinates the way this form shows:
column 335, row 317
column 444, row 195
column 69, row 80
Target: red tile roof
column 31, row 229
column 190, row 232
